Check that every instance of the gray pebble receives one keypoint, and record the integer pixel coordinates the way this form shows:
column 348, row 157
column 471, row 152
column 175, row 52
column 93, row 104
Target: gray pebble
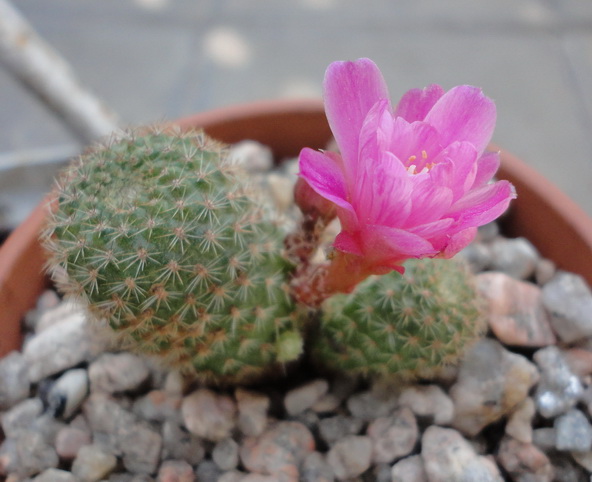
column 410, row 469
column 302, row 398
column 559, row 389
column 55, row 475
column 117, row 372
column 428, row 401
column 175, row 471
column 569, row 301
column 252, row 411
column 477, row 256
column 448, row 456
column 21, row 416
column 351, row 456
column 180, row 444
column 62, row 346
column 225, row 454
column 573, row 432
column 516, row 257
column 488, row 232
column 68, row 392
column 545, row 271
column 544, row 438
column 492, row 381
column 315, row 468
column 208, row 414
column 524, row 461
column 394, row 436
column 158, row 406
column 279, row 451
column 369, row 405
column 14, row 383
column 34, row 454
column 70, row 440
column 332, row 429
column 141, row 447
column 93, row 463
column 207, row 471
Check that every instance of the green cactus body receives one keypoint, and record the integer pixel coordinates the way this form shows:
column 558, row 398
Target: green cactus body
column 406, row 326
column 158, row 235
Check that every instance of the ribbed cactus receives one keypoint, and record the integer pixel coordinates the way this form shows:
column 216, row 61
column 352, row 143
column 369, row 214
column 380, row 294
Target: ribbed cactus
column 158, row 235
column 406, row 326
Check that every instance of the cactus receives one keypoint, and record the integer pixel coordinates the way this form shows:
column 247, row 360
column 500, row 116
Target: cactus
column 158, row 234
column 407, row 327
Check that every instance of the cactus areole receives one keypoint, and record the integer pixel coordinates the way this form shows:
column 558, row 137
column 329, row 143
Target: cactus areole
column 160, row 237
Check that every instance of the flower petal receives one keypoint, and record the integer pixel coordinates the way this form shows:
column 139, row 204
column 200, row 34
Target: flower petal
column 388, row 245
column 350, row 90
column 416, row 103
column 482, row 205
column 458, row 242
column 457, row 168
column 487, row 166
column 464, row 113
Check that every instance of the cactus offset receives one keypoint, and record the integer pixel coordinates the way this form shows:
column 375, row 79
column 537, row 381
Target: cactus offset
column 159, row 235
column 406, row 326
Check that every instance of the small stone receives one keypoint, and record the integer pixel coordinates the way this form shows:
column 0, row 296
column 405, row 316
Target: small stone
column 281, row 188
column 579, row 361
column 515, row 313
column 225, row 454
column 393, row 437
column 573, row 432
column 278, row 451
column 232, row 476
column 68, row 392
column 93, row 463
column 55, row 475
column 158, row 406
column 569, row 301
column 524, row 462
column 175, row 471
column 105, row 416
column 328, row 403
column 70, row 440
column 350, row 457
column 477, row 256
column 209, row 415
column 180, row 444
column 584, row 459
column 141, row 447
column 369, row 405
column 302, row 398
column 545, row 271
column 14, row 383
column 207, row 471
column 516, row 257
column 519, row 424
column 492, row 381
column 315, row 468
column 34, row 454
column 117, row 372
column 62, row 346
column 448, row 456
column 21, row 416
column 252, row 412
column 544, row 438
column 175, row 383
column 332, row 429
column 559, row 389
column 59, row 313
column 488, row 232
column 428, row 401
column 252, row 155
column 410, row 469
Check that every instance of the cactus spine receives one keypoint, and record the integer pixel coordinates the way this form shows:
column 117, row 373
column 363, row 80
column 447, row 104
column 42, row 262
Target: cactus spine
column 158, row 235
column 403, row 326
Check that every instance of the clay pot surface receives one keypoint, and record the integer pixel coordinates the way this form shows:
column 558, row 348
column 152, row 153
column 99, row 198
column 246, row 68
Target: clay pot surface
column 559, row 228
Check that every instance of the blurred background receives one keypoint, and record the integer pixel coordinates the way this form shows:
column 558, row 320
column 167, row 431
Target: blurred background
column 153, row 60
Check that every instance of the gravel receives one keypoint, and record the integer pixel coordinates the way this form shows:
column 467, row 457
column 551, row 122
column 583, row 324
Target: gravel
column 519, row 406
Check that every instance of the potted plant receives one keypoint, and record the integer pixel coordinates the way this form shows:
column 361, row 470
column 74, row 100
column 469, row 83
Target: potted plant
column 287, row 127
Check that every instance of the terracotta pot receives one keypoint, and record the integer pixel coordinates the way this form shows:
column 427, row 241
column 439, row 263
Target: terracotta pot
column 543, row 214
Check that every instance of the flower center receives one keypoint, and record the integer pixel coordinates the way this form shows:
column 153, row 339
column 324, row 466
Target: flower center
column 421, row 165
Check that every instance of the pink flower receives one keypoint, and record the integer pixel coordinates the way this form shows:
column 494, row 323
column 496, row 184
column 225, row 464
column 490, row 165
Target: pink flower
column 411, row 182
